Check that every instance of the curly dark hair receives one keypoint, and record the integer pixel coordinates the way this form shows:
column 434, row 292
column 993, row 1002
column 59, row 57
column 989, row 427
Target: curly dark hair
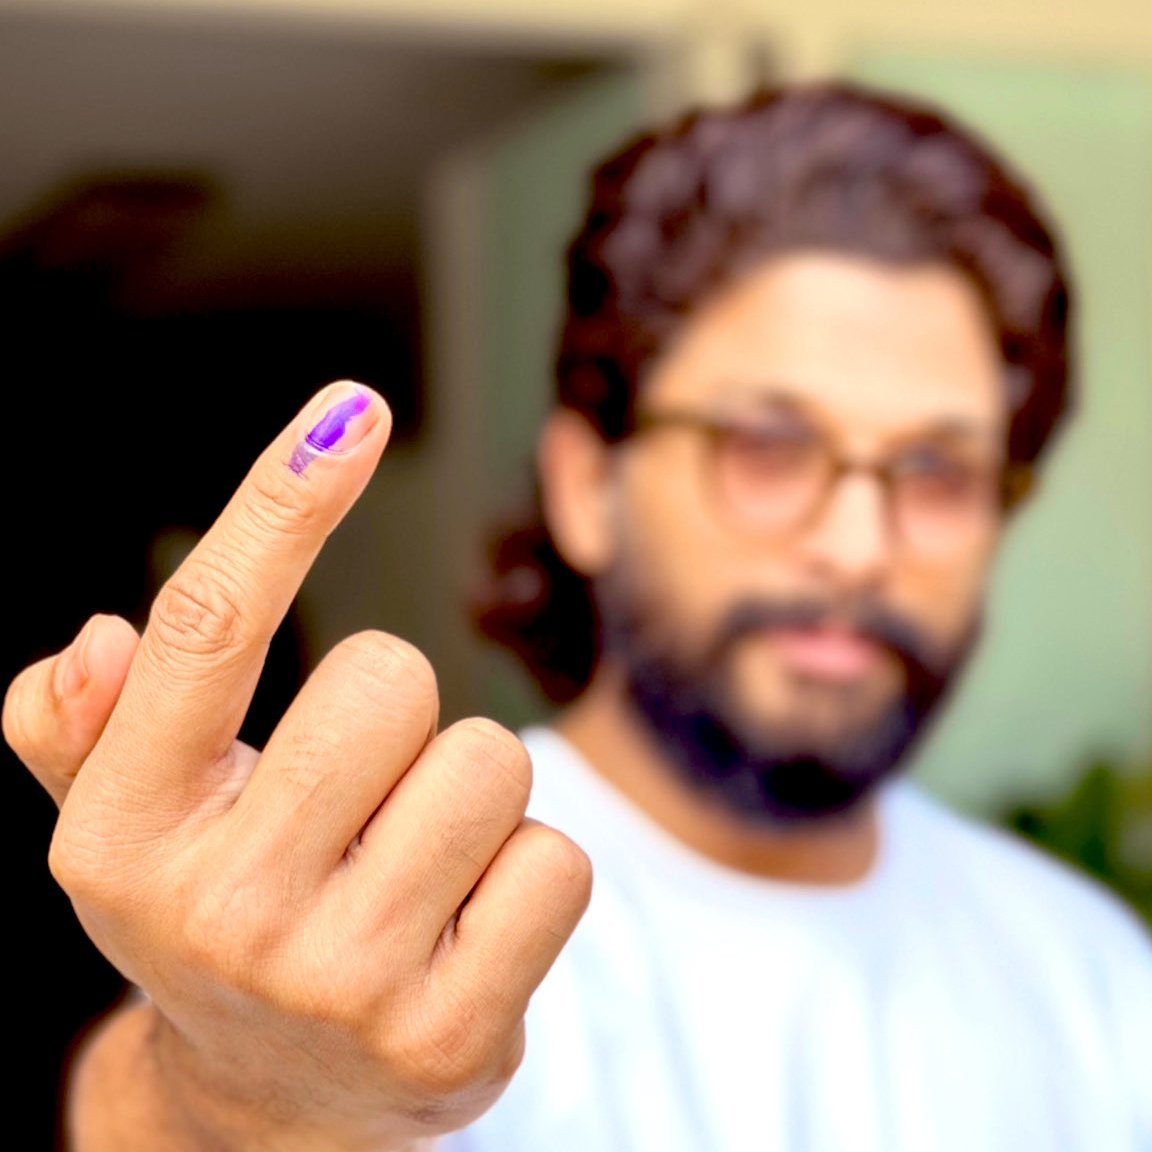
column 681, row 210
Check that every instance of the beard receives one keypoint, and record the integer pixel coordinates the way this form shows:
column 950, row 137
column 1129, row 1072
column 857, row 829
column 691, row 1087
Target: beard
column 817, row 763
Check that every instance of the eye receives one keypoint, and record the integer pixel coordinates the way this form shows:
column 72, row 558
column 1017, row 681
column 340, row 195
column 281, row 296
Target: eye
column 770, row 450
column 944, row 477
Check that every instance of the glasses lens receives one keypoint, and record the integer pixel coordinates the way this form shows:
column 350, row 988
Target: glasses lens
column 770, row 477
column 942, row 499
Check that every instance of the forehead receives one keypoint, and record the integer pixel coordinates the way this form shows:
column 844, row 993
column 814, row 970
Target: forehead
column 873, row 349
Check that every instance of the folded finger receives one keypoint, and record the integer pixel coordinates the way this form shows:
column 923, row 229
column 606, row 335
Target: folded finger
column 355, row 727
column 519, row 917
column 440, row 829
column 56, row 709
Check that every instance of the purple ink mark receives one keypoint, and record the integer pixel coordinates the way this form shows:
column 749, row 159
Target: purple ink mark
column 328, row 432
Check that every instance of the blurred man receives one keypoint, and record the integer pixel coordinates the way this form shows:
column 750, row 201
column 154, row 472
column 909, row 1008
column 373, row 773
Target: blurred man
column 815, row 348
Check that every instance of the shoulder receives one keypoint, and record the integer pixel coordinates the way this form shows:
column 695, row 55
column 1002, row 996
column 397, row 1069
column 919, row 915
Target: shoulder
column 1007, row 876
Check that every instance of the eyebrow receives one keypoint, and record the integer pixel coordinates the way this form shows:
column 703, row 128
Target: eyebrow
column 765, row 397
column 947, row 427
column 957, row 428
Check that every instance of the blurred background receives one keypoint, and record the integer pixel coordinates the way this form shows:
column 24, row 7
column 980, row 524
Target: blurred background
column 209, row 209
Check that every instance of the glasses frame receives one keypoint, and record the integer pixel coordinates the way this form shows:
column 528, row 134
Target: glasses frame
column 1015, row 481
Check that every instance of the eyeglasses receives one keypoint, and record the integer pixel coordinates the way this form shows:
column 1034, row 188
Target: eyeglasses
column 775, row 475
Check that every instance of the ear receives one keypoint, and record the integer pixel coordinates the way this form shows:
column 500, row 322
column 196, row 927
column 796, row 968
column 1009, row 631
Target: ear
column 577, row 491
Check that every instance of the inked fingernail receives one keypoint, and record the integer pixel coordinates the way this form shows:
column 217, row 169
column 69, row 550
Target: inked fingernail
column 72, row 668
column 338, row 429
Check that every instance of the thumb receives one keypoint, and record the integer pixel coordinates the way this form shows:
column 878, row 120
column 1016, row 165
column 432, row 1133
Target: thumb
column 56, row 709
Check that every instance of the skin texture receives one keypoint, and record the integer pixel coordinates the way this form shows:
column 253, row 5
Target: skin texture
column 339, row 936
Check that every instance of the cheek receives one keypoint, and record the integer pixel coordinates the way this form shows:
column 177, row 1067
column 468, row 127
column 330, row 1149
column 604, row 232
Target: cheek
column 949, row 599
column 676, row 587
column 669, row 541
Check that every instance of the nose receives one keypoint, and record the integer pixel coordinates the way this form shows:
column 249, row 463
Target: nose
column 849, row 542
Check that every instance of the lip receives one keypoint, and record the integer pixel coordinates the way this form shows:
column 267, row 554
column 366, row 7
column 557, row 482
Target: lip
column 828, row 654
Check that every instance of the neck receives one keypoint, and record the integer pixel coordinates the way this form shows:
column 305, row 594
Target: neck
column 605, row 728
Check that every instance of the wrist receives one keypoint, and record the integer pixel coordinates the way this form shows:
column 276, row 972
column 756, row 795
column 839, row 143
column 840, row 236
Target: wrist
column 135, row 1085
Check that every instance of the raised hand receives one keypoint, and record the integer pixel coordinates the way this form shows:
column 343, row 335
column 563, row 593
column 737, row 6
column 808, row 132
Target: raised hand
column 337, row 936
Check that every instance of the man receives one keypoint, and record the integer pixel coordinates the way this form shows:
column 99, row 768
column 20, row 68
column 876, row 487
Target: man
column 815, row 348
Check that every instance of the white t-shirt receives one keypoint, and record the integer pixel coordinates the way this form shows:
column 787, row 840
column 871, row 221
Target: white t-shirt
column 971, row 995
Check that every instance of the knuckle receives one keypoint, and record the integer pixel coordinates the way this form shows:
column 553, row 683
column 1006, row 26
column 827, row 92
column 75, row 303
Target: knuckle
column 197, row 612
column 15, row 719
column 79, row 862
column 391, row 669
column 72, row 870
column 469, row 1036
column 560, row 865
column 449, row 1052
column 307, row 771
column 484, row 747
column 513, row 1056
column 231, row 933
column 272, row 506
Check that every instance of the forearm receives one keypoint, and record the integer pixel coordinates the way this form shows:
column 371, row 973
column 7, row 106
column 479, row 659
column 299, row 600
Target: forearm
column 121, row 1098
column 115, row 1098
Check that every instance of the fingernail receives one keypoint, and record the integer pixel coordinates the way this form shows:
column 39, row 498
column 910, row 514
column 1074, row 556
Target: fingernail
column 346, row 415
column 72, row 668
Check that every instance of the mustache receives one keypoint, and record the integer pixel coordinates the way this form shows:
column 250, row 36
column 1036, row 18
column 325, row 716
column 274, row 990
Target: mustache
column 868, row 619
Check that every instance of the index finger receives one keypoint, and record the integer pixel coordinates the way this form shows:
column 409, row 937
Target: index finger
column 209, row 629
